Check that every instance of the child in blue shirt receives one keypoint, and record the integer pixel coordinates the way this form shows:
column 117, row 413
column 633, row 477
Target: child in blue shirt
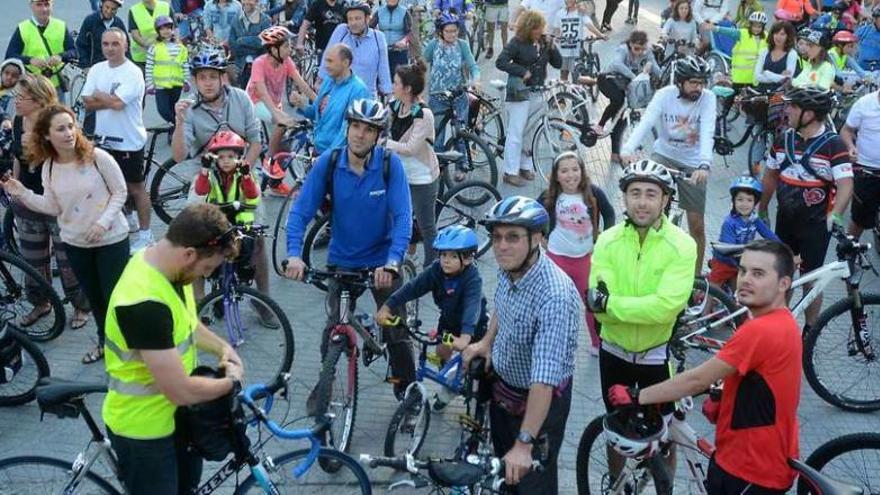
column 740, row 227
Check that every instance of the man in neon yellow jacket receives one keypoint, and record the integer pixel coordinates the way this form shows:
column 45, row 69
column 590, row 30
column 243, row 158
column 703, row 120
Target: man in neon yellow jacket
column 43, row 43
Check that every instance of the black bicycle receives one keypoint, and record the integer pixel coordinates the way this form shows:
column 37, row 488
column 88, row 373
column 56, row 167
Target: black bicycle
column 22, row 364
column 478, row 161
column 588, row 65
column 170, row 185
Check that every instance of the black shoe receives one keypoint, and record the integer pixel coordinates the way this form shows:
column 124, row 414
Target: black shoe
column 489, row 54
column 605, row 28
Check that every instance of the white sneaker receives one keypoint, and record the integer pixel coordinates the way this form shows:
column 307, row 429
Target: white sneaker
column 133, row 224
column 142, row 239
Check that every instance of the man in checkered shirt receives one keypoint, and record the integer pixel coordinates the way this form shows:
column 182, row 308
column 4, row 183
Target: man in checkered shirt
column 531, row 343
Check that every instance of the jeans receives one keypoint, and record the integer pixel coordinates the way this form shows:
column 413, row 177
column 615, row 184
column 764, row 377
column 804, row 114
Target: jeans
column 98, row 269
column 161, row 465
column 518, row 113
column 443, row 115
column 424, row 204
column 632, row 9
column 165, row 100
column 505, row 428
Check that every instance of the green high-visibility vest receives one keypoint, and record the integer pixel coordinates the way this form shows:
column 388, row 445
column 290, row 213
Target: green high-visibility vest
column 167, row 71
column 238, row 211
column 34, row 46
column 134, row 406
column 146, row 26
column 744, row 57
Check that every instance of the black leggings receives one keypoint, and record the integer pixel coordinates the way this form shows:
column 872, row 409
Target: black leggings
column 97, row 269
column 632, row 10
column 608, row 86
column 610, row 9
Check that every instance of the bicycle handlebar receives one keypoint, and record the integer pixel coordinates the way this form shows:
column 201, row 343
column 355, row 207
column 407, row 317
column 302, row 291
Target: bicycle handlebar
column 493, row 467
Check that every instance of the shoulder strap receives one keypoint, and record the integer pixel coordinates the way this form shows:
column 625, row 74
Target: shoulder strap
column 789, row 138
column 594, row 216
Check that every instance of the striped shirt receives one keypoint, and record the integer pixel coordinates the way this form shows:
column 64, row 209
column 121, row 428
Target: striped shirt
column 539, row 318
column 831, row 161
column 173, row 52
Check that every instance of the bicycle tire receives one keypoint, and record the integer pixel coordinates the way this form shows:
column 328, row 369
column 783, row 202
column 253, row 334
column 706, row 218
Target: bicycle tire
column 324, row 393
column 758, row 148
column 314, row 253
column 253, row 350
column 279, row 233
column 487, row 123
column 9, row 229
column 16, row 465
column 576, row 109
column 717, row 63
column 545, row 134
column 335, row 484
column 13, row 293
column 723, row 333
column 476, row 169
column 839, row 447
column 8, row 397
column 169, row 191
column 417, row 437
column 594, row 68
column 820, row 384
column 449, row 212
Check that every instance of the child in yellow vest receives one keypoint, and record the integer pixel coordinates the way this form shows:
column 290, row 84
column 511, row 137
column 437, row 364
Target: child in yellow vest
column 167, row 68
column 226, row 180
column 745, row 53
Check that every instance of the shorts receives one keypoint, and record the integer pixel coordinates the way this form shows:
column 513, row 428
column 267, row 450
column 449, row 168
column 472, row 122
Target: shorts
column 613, row 371
column 691, row 197
column 497, row 14
column 719, row 481
column 131, row 163
column 568, row 63
column 866, row 200
column 721, row 273
column 809, row 240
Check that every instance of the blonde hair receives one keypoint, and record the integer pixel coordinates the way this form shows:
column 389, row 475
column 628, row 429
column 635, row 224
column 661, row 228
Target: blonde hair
column 528, row 22
column 39, row 88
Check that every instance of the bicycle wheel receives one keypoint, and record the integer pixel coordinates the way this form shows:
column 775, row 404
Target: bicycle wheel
column 719, row 305
column 552, row 137
column 852, row 459
column 835, row 368
column 594, row 68
column 22, row 387
column 479, row 160
column 15, row 276
column 32, row 475
column 758, row 149
column 266, row 351
column 398, row 440
column 169, row 189
column 466, row 204
column 336, row 393
column 485, row 120
column 350, row 478
column 279, row 233
column 316, row 246
column 10, row 242
column 569, row 107
column 477, row 37
column 718, row 64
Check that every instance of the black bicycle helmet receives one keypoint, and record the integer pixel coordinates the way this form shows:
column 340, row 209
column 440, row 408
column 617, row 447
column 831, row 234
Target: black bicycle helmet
column 810, row 98
column 691, row 67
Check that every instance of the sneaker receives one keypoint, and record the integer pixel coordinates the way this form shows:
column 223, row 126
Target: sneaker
column 514, row 180
column 274, row 170
column 142, row 239
column 280, row 190
column 133, row 223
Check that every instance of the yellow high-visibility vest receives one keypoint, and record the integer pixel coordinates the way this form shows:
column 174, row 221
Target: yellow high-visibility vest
column 146, row 26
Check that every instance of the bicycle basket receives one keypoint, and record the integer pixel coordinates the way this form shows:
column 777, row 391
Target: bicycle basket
column 756, row 109
column 10, row 355
column 214, row 428
column 639, row 92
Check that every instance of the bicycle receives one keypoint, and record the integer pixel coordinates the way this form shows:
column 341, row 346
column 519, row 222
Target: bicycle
column 22, row 364
column 18, row 282
column 287, row 473
column 588, row 65
column 230, row 288
column 764, row 110
column 854, row 457
column 477, row 31
column 852, row 339
column 479, row 160
column 170, row 185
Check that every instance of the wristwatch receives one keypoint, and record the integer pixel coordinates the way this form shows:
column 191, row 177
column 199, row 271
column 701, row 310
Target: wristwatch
column 525, row 437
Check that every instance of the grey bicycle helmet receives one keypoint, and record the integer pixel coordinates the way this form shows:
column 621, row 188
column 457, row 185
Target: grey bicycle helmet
column 648, row 171
column 691, row 67
column 358, row 5
column 810, row 98
column 369, row 111
column 518, row 210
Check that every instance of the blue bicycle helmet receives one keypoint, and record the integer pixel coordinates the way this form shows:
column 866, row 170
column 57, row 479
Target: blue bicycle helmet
column 211, row 58
column 456, row 238
column 518, row 210
column 748, row 184
column 445, row 19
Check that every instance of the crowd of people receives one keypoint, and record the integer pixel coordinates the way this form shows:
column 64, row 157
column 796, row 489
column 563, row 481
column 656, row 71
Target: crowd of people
column 565, row 266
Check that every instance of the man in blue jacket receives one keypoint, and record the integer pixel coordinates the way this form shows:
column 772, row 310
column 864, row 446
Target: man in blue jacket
column 244, row 38
column 88, row 41
column 338, row 90
column 372, row 218
column 869, row 42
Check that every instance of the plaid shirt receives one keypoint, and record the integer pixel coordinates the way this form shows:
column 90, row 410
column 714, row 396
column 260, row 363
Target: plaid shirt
column 539, row 318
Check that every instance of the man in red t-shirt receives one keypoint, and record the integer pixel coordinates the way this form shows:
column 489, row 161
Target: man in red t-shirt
column 757, row 429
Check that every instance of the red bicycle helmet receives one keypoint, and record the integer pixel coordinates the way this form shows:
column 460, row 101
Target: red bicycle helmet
column 226, row 140
column 844, row 37
column 275, row 35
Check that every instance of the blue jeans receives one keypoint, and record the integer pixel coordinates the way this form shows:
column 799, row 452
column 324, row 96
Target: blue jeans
column 443, row 115
column 165, row 100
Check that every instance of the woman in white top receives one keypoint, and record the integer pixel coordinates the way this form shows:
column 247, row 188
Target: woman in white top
column 412, row 138
column 777, row 63
column 83, row 186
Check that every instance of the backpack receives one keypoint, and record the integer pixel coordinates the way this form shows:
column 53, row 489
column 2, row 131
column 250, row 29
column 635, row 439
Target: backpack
column 788, row 147
column 331, row 167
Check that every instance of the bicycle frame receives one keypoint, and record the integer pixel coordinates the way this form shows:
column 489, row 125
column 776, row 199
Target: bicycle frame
column 228, row 282
column 438, row 376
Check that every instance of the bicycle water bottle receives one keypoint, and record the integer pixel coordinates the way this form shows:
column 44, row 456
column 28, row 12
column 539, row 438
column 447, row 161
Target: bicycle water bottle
column 445, row 395
column 368, row 322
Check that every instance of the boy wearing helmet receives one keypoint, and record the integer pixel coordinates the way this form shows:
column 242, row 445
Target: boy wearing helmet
column 740, row 227
column 531, row 343
column 269, row 75
column 457, row 289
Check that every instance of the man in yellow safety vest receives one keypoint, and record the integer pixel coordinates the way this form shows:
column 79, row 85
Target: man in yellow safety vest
column 153, row 333
column 43, row 43
column 141, row 26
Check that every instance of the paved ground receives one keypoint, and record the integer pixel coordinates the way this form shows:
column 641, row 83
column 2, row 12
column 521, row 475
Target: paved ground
column 21, row 430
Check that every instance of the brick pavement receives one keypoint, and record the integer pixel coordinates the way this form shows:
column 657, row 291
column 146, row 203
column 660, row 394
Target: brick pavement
column 21, row 431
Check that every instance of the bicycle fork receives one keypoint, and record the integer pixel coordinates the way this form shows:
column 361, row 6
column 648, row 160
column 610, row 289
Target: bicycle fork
column 860, row 340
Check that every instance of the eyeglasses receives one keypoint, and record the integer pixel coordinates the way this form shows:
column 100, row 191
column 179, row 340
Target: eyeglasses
column 509, row 238
column 19, row 96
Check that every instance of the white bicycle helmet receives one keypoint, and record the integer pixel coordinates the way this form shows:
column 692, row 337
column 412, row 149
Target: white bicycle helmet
column 758, row 17
column 369, row 111
column 636, row 433
column 647, row 171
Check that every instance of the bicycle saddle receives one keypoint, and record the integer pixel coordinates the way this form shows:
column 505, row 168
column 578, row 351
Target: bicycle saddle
column 455, row 473
column 449, row 156
column 821, row 484
column 54, row 391
column 728, row 249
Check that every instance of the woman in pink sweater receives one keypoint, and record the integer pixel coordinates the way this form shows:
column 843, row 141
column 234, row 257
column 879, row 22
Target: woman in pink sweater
column 84, row 188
